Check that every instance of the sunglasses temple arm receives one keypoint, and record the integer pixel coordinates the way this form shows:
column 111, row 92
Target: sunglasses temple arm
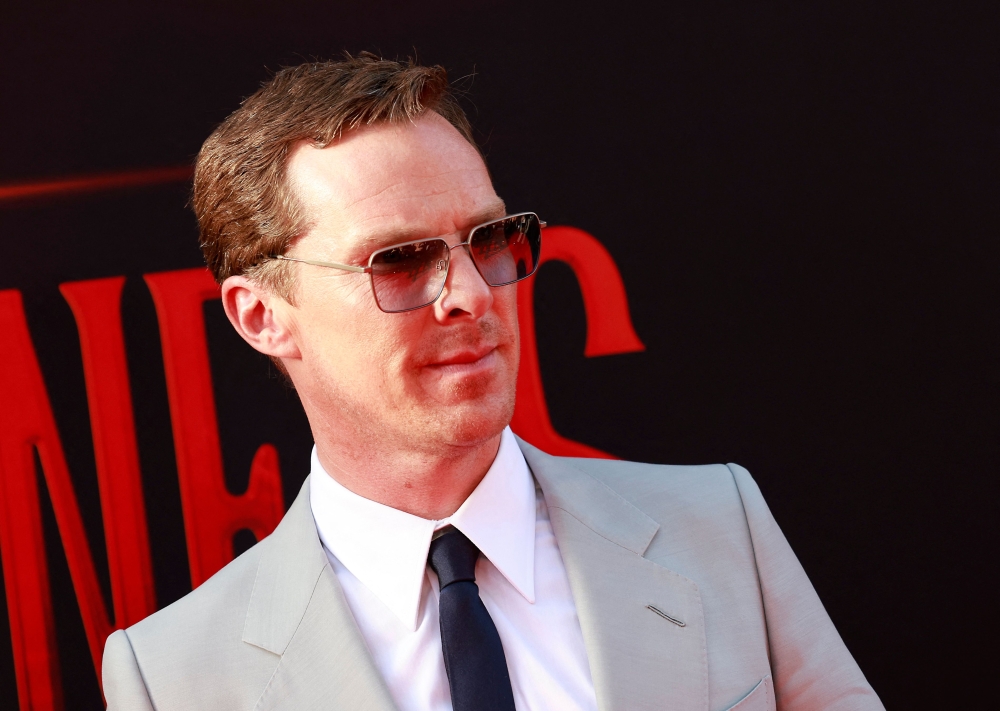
column 331, row 265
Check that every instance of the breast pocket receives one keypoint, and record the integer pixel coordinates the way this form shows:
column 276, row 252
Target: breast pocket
column 761, row 698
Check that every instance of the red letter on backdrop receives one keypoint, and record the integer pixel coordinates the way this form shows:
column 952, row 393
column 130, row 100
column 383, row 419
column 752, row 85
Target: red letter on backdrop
column 96, row 306
column 26, row 424
column 609, row 331
column 212, row 515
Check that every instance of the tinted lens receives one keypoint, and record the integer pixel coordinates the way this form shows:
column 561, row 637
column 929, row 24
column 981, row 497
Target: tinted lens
column 507, row 250
column 409, row 276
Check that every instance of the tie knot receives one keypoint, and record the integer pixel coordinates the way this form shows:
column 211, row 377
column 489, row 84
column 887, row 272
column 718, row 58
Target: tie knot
column 453, row 557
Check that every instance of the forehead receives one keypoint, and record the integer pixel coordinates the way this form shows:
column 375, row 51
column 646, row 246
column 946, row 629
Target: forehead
column 414, row 178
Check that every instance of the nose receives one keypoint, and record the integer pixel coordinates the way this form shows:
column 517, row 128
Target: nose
column 466, row 294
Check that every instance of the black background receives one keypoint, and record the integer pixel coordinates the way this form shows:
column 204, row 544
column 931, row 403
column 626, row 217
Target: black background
column 801, row 198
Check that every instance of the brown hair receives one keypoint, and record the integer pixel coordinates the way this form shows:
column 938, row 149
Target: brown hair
column 245, row 209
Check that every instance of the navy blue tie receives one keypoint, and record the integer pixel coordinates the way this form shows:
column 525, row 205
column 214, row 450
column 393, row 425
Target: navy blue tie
column 473, row 653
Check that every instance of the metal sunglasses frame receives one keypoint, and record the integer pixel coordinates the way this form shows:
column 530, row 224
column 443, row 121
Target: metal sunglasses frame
column 467, row 244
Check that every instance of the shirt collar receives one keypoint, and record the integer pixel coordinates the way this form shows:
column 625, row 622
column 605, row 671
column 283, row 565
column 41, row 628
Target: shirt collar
column 386, row 549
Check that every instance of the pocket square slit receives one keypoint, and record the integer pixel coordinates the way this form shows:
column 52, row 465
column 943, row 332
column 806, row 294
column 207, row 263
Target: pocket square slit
column 664, row 615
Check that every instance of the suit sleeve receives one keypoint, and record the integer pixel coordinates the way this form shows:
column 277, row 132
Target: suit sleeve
column 810, row 664
column 124, row 688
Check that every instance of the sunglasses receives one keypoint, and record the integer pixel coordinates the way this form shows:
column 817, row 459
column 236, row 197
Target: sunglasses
column 412, row 275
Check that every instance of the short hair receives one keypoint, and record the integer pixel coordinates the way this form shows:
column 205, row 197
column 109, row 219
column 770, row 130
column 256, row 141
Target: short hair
column 246, row 211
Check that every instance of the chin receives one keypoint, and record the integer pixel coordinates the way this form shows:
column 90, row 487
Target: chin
column 470, row 423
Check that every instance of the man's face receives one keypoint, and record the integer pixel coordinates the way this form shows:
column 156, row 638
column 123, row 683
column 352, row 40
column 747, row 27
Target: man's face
column 440, row 376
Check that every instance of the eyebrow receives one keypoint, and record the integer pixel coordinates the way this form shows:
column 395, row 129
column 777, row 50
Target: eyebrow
column 385, row 239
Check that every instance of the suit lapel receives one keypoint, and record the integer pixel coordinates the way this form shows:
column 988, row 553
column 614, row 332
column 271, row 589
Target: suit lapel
column 298, row 610
column 642, row 624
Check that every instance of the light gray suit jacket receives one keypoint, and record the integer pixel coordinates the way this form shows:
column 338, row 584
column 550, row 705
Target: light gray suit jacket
column 736, row 624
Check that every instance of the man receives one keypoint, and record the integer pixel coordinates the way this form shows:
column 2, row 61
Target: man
column 432, row 560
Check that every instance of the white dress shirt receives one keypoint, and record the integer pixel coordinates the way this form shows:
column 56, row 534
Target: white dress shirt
column 379, row 555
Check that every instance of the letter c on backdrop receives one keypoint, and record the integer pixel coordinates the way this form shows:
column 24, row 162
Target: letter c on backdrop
column 609, row 331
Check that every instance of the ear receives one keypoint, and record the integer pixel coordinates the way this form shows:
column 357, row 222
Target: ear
column 262, row 318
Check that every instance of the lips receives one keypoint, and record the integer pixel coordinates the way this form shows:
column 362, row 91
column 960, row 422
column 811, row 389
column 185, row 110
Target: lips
column 463, row 357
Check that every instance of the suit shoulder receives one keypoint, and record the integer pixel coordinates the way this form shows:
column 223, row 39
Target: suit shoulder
column 219, row 601
column 637, row 481
column 699, row 509
column 682, row 498
column 194, row 648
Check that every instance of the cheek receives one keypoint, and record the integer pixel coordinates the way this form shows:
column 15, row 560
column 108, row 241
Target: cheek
column 366, row 346
column 338, row 326
column 505, row 307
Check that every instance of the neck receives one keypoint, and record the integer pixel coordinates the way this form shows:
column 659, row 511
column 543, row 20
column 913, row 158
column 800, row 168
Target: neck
column 429, row 484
